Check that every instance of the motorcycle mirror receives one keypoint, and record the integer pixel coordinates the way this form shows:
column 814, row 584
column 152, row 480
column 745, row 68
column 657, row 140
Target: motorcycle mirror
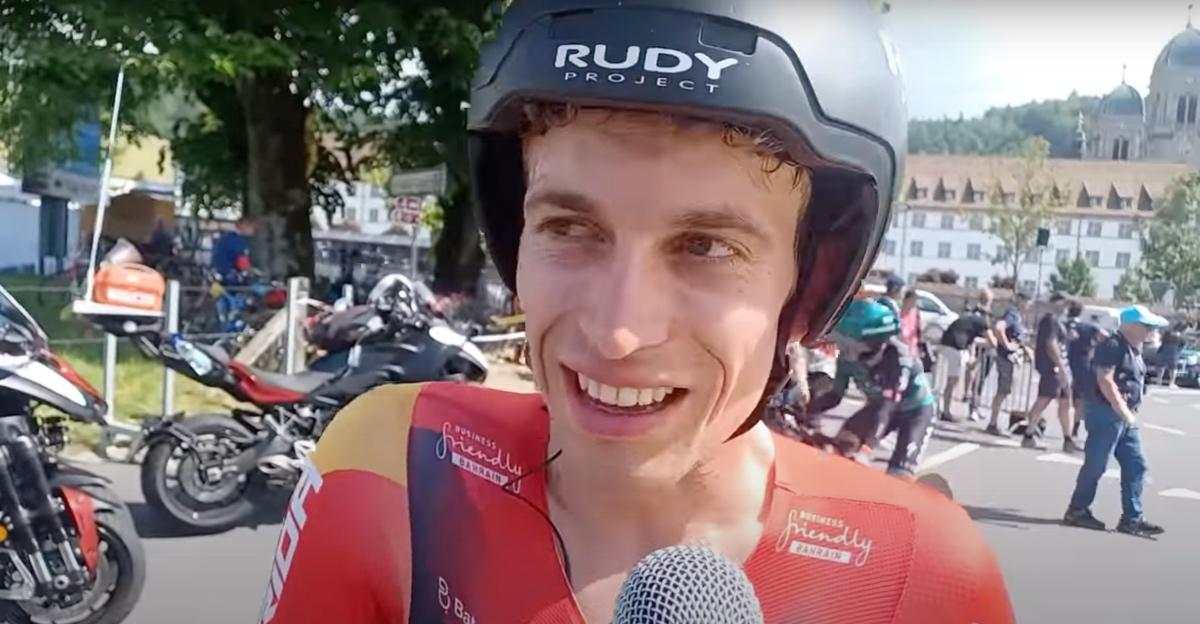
column 354, row 357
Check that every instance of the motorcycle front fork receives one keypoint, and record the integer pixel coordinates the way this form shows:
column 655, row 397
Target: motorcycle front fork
column 19, row 455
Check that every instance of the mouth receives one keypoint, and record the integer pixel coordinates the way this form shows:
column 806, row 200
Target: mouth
column 620, row 411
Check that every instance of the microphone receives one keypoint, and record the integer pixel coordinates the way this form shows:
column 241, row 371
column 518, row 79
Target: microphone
column 687, row 585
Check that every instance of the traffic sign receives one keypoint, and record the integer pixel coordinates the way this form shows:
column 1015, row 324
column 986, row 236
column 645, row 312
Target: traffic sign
column 406, row 210
column 429, row 181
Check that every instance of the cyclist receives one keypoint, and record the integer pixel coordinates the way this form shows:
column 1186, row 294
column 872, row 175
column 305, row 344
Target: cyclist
column 898, row 394
column 658, row 183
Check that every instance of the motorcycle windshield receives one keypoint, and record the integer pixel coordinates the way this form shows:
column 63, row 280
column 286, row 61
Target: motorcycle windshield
column 13, row 313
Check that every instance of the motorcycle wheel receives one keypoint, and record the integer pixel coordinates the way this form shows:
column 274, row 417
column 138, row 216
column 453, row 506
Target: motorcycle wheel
column 118, row 585
column 174, row 483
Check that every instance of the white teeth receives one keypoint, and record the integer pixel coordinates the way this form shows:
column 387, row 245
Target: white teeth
column 645, row 396
column 623, row 397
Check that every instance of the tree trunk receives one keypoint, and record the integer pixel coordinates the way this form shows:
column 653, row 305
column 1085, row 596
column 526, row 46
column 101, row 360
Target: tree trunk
column 277, row 182
column 459, row 256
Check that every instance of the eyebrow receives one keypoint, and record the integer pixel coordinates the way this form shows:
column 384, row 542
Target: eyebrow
column 711, row 217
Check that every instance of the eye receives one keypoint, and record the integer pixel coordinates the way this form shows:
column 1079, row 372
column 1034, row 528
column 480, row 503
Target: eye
column 568, row 228
column 708, row 247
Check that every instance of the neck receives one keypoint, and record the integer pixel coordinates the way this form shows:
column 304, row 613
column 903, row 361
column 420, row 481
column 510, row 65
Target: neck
column 724, row 491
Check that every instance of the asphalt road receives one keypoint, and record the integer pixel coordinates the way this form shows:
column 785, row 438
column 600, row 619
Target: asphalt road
column 1017, row 496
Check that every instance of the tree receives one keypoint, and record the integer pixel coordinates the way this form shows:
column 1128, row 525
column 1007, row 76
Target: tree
column 1074, row 277
column 293, row 98
column 1016, row 213
column 1003, row 130
column 1133, row 287
column 1169, row 249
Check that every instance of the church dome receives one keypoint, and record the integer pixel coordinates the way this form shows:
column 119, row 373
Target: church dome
column 1124, row 100
column 1182, row 51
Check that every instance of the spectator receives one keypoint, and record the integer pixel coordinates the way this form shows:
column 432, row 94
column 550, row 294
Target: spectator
column 982, row 362
column 1168, row 354
column 958, row 352
column 1082, row 338
column 1054, row 378
column 1010, row 335
column 910, row 323
column 1110, row 409
column 231, row 251
column 893, row 291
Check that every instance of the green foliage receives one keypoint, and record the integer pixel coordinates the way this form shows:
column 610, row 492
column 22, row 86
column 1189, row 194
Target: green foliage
column 1169, row 248
column 1074, row 277
column 1016, row 222
column 1004, row 130
column 1133, row 287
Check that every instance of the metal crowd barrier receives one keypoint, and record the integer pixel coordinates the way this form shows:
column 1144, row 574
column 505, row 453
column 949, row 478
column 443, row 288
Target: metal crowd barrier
column 984, row 381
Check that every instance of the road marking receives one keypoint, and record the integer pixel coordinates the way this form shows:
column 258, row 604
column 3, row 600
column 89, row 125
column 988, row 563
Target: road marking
column 1180, row 493
column 1170, row 430
column 1063, row 458
column 948, row 455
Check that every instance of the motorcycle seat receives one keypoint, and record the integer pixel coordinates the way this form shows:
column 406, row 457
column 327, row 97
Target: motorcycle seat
column 303, row 382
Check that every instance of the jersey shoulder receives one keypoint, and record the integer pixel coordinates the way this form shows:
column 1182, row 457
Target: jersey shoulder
column 373, row 433
column 916, row 534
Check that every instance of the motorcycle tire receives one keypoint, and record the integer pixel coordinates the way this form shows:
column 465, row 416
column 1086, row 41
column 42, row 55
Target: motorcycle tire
column 120, row 546
column 189, row 518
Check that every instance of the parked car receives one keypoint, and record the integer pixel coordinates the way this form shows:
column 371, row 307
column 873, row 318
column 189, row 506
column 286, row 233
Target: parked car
column 936, row 316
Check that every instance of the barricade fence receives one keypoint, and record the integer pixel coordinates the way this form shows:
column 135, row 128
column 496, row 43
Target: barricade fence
column 982, row 374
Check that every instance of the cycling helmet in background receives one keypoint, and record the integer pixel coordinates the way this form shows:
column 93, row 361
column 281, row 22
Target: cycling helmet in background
column 867, row 322
column 821, row 75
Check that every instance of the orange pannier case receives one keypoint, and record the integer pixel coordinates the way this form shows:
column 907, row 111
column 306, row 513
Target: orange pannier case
column 130, row 286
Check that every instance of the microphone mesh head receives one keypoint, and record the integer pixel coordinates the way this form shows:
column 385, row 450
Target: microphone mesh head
column 687, row 585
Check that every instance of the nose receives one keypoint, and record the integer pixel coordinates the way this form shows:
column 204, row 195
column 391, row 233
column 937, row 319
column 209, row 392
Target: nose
column 628, row 307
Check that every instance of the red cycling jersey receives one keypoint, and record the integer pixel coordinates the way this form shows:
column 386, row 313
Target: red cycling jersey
column 403, row 516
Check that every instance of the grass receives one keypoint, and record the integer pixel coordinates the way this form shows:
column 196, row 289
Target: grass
column 139, row 379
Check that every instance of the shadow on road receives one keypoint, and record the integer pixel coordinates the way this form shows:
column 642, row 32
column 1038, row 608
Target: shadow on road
column 153, row 524
column 1010, row 518
column 969, row 435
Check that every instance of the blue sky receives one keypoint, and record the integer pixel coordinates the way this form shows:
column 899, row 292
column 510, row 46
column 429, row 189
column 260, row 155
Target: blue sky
column 967, row 55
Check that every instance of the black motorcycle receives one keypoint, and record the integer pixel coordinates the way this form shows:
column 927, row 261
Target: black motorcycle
column 68, row 548
column 212, row 472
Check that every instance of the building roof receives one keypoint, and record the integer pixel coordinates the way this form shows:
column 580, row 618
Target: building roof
column 1123, row 100
column 1183, row 50
column 1098, row 178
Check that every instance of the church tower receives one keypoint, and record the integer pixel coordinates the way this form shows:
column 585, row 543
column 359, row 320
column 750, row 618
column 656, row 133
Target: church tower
column 1172, row 118
column 1119, row 131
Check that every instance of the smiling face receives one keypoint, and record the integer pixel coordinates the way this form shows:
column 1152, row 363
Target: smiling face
column 654, row 264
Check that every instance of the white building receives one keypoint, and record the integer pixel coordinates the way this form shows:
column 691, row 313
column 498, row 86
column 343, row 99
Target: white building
column 941, row 218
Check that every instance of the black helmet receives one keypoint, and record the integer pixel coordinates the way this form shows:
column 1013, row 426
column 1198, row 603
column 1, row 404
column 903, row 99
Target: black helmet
column 821, row 75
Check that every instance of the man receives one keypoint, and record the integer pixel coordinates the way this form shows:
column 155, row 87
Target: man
column 872, row 354
column 1111, row 413
column 652, row 229
column 959, row 342
column 231, row 251
column 980, row 365
column 1010, row 334
column 1168, row 354
column 1054, row 377
column 893, row 293
column 1082, row 338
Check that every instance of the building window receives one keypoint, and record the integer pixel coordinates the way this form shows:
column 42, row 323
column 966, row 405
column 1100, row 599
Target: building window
column 1062, row 227
column 916, row 248
column 1008, row 198
column 1127, row 202
column 1097, row 201
column 943, row 250
column 351, row 215
column 1123, row 260
column 1031, row 254
column 971, row 282
column 1095, row 229
column 1125, row 230
column 1093, row 258
column 374, row 215
column 951, row 194
column 1120, row 149
column 947, row 222
column 1001, row 253
column 889, row 247
column 974, row 252
column 918, row 219
column 1181, row 110
column 1028, row 286
column 1191, row 112
column 976, row 223
column 1062, row 255
column 922, row 193
column 377, row 192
